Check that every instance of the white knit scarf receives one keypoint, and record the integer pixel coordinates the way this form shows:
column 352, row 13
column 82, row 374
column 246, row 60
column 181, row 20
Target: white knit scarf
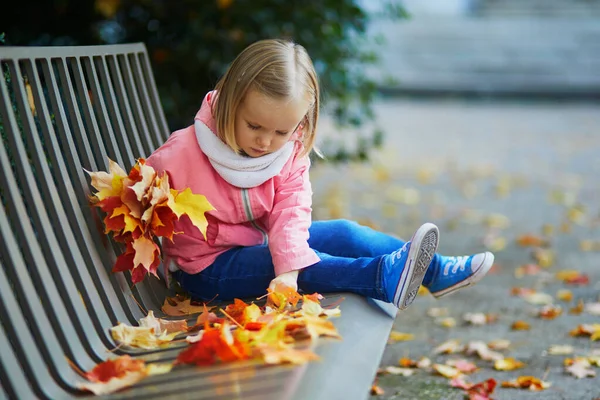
column 236, row 169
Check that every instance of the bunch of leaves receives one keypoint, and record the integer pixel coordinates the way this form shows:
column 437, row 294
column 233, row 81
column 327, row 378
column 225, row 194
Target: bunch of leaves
column 141, row 207
column 267, row 333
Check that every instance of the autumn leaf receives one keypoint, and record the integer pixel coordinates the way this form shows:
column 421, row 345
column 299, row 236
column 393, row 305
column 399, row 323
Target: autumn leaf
column 475, row 391
column 549, row 312
column 520, row 326
column 192, row 205
column 376, row 390
column 580, row 367
column 391, row 370
column 446, row 370
column 282, row 295
column 572, row 277
column 564, row 295
column 449, row 347
column 591, row 330
column 215, row 345
column 108, row 184
column 162, row 325
column 464, row 366
column 118, row 373
column 508, row 364
column 139, row 336
column 526, row 382
column 178, row 306
column 529, row 240
column 400, row 337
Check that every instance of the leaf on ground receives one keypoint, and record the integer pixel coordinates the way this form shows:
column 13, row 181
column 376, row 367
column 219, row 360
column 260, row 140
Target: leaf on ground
column 376, row 390
column 520, row 326
column 530, row 240
column 564, row 295
column 580, row 367
column 499, row 344
column 544, row 257
column 446, row 370
column 447, row 322
column 527, row 270
column 396, row 336
column 449, row 347
column 549, row 312
column 483, row 351
column 578, row 309
column 464, row 366
column 573, row 277
column 391, row 370
column 508, row 364
column 475, row 391
column 592, row 308
column 480, row 318
column 560, row 349
column 591, row 330
column 538, row 298
column 436, row 312
column 526, row 382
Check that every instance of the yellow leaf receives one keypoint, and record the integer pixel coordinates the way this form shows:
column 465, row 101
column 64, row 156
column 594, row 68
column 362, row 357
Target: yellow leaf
column 192, row 205
column 508, row 364
column 278, row 355
column 130, row 222
column 564, row 295
column 446, row 370
column 400, row 336
column 108, row 184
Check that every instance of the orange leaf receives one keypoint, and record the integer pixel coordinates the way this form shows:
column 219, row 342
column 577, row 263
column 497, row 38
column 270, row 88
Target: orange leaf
column 520, row 326
column 178, row 306
column 527, row 382
column 531, row 241
column 146, row 253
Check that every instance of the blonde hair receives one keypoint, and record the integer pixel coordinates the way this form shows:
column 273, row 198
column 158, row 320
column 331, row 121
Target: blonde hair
column 279, row 69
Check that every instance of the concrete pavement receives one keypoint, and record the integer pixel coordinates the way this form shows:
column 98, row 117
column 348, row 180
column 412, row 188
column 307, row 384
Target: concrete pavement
column 485, row 173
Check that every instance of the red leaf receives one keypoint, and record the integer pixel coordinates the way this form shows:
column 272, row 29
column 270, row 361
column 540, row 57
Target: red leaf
column 115, row 368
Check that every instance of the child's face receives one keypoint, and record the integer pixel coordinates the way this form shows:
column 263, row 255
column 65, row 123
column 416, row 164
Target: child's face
column 263, row 125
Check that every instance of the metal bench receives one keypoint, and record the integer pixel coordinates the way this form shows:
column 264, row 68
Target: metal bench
column 66, row 109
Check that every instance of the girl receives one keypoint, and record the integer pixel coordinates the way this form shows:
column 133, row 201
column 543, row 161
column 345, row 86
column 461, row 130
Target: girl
column 247, row 152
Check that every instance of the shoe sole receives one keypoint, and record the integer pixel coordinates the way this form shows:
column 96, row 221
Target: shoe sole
column 487, row 263
column 422, row 249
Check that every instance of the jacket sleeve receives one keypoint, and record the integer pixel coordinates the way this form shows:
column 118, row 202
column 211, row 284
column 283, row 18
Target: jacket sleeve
column 290, row 219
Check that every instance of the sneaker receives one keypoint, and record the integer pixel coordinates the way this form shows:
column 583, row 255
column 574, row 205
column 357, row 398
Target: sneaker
column 404, row 270
column 452, row 273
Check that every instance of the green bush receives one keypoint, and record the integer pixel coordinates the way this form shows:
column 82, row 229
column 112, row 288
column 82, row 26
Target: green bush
column 191, row 42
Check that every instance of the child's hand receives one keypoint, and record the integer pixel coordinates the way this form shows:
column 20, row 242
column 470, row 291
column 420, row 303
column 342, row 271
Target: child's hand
column 289, row 279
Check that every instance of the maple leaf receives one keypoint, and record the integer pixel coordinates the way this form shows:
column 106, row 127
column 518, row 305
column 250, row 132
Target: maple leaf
column 178, row 306
column 162, row 325
column 464, row 366
column 118, row 373
column 591, row 330
column 215, row 345
column 108, row 184
column 526, row 382
column 560, row 349
column 449, row 347
column 317, row 326
column 580, row 368
column 192, row 205
column 499, row 344
column 520, row 326
column 477, row 391
column 286, row 354
column 139, row 336
column 282, row 295
column 564, row 295
column 528, row 240
column 376, row 390
column 573, row 277
column 549, row 312
column 313, row 308
column 400, row 337
column 446, row 370
column 483, row 351
column 508, row 364
column 147, row 254
column 396, row 371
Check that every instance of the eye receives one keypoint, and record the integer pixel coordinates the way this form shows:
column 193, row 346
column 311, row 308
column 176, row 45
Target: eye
column 281, row 133
column 253, row 127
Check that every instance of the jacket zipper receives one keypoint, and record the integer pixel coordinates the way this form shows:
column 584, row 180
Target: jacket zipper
column 250, row 216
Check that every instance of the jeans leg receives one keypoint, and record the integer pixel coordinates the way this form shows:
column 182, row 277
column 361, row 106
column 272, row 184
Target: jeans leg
column 246, row 272
column 346, row 238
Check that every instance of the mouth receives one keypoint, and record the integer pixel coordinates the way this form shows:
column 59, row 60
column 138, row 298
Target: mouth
column 258, row 151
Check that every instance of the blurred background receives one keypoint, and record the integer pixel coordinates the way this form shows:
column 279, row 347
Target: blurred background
column 482, row 116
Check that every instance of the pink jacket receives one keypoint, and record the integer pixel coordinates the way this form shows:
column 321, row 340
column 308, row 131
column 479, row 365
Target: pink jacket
column 277, row 212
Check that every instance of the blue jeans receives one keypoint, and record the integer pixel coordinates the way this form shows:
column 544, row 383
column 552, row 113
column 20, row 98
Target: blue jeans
column 350, row 262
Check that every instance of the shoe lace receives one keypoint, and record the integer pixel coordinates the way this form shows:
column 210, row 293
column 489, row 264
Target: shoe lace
column 455, row 263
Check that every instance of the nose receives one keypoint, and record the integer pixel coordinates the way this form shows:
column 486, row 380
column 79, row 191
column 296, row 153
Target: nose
column 264, row 141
